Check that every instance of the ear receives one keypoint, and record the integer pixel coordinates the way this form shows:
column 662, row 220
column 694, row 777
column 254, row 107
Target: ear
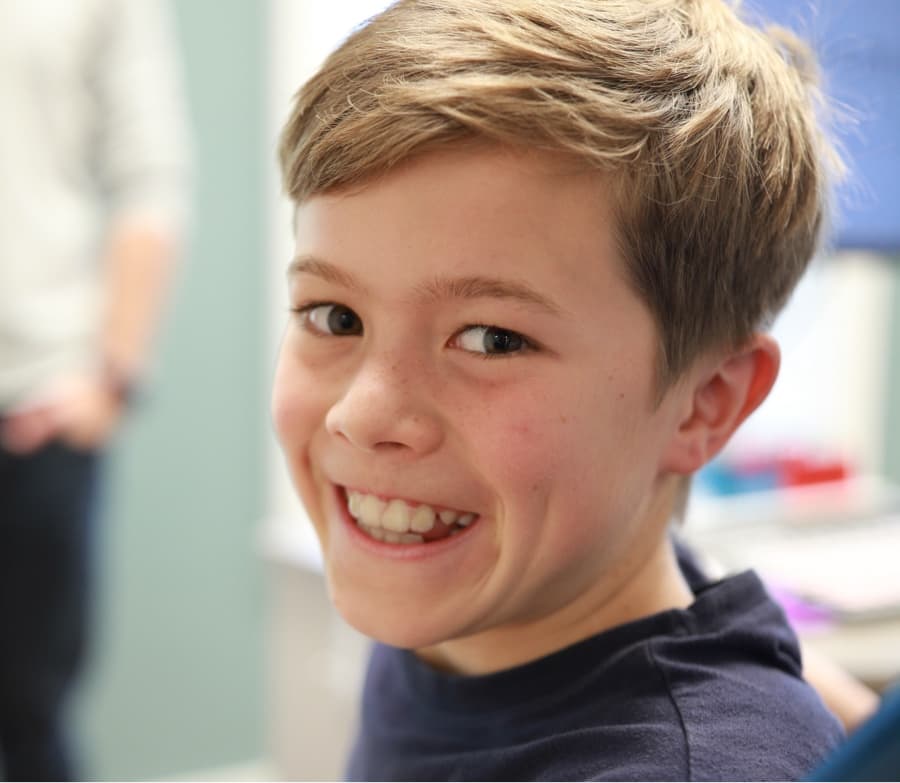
column 717, row 401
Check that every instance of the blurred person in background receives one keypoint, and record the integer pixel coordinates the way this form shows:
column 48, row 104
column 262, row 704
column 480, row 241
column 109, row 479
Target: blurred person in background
column 92, row 206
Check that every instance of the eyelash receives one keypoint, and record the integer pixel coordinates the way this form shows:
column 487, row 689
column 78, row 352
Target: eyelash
column 528, row 345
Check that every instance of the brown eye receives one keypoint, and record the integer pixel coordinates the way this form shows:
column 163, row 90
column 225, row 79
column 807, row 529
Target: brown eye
column 333, row 319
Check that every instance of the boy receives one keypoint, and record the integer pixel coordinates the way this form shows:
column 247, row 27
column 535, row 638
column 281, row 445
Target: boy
column 608, row 201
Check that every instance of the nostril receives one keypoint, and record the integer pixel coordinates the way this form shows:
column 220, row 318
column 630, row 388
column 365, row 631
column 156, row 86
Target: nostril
column 390, row 445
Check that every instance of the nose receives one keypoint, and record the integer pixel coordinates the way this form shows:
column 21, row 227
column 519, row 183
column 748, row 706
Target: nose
column 385, row 408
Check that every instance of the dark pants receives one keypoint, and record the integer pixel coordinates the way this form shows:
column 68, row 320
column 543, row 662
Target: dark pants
column 47, row 502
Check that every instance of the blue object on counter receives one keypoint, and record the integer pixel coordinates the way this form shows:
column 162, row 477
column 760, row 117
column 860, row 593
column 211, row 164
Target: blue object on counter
column 872, row 752
column 720, row 478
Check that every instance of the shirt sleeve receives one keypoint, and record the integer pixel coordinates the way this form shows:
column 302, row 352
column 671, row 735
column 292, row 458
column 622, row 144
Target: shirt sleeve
column 142, row 137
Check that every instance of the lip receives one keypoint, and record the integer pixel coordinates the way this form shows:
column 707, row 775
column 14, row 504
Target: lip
column 397, row 551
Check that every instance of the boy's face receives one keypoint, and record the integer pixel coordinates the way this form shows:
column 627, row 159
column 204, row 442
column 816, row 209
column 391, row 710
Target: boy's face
column 465, row 341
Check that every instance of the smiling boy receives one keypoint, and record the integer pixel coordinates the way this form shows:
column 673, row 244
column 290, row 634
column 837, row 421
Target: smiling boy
column 537, row 245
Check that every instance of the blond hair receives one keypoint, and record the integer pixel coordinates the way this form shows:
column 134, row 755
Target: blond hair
column 705, row 126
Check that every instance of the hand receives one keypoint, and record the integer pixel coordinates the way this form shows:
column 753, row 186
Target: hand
column 80, row 409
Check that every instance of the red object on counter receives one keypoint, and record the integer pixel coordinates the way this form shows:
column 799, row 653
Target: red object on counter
column 797, row 471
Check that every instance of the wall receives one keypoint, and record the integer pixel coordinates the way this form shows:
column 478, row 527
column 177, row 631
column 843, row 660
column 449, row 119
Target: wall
column 892, row 422
column 830, row 398
column 176, row 682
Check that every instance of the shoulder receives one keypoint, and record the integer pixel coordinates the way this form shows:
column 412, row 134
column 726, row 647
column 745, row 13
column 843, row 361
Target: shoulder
column 734, row 678
column 710, row 692
column 719, row 695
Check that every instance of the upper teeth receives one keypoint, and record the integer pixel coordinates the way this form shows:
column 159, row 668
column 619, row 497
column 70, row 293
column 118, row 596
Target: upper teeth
column 398, row 516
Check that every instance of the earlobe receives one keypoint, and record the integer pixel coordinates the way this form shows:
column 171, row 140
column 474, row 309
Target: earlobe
column 719, row 400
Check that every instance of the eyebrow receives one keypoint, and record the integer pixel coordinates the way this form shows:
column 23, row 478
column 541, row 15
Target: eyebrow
column 311, row 265
column 440, row 288
column 481, row 286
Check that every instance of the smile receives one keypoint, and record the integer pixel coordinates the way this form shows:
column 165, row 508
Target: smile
column 395, row 521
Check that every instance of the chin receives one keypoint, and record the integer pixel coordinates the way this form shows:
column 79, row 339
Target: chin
column 404, row 626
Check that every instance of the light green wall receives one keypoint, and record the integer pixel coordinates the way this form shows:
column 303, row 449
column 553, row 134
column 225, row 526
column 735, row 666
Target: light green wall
column 176, row 680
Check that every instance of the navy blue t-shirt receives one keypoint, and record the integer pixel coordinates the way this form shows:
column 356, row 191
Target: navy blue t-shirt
column 711, row 692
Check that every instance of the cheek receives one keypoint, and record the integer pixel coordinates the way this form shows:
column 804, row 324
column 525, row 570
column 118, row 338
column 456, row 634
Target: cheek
column 283, row 402
column 568, row 451
column 521, row 441
column 295, row 404
column 298, row 407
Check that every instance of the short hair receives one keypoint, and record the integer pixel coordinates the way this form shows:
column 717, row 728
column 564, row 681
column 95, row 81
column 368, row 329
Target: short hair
column 707, row 129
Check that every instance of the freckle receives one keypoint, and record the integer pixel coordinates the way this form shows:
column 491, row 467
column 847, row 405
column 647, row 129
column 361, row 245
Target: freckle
column 621, row 395
column 564, row 419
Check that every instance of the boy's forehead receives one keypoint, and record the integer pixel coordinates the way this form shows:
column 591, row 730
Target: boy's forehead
column 472, row 183
column 499, row 162
column 482, row 204
column 487, row 221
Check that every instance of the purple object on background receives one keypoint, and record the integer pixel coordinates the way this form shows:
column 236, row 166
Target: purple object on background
column 800, row 612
